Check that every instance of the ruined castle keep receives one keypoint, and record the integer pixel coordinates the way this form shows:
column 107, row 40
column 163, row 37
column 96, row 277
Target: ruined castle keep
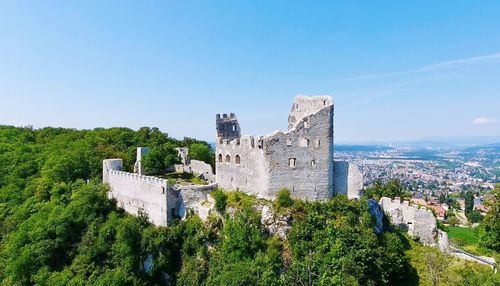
column 300, row 159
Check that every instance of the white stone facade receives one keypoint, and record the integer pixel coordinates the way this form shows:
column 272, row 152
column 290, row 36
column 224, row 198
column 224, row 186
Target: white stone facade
column 419, row 223
column 300, row 159
column 347, row 179
column 134, row 193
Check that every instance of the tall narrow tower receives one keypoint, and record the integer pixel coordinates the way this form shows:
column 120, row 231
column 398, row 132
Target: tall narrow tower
column 228, row 127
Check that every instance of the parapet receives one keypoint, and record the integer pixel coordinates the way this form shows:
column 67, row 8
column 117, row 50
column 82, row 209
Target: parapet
column 140, row 178
column 227, row 126
column 110, row 164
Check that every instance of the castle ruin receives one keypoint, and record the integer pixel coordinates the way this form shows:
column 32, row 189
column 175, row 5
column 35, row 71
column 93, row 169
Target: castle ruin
column 300, row 159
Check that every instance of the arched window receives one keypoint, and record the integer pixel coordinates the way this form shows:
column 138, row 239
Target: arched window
column 237, row 159
column 316, row 143
column 228, row 158
column 220, row 158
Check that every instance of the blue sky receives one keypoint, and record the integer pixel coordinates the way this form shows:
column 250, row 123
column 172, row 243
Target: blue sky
column 397, row 69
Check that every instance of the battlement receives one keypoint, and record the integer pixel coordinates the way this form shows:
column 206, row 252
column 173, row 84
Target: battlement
column 227, row 126
column 225, row 116
column 134, row 192
column 396, row 202
column 140, row 178
column 420, row 223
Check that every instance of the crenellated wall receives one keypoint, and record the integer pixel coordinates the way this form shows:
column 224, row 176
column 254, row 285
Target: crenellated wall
column 134, row 192
column 418, row 222
column 249, row 174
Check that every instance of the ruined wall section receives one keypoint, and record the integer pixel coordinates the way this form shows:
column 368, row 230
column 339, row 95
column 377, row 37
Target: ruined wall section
column 203, row 169
column 134, row 192
column 419, row 223
column 347, row 179
column 240, row 165
column 191, row 196
column 301, row 159
column 304, row 106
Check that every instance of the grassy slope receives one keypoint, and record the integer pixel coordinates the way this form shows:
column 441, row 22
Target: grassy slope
column 468, row 240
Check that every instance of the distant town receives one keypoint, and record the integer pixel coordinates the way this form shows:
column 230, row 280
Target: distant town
column 429, row 172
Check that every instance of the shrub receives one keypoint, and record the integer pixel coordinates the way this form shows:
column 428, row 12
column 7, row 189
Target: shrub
column 283, row 199
column 220, row 200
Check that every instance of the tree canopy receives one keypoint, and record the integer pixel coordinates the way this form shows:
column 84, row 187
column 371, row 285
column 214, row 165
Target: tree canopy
column 59, row 228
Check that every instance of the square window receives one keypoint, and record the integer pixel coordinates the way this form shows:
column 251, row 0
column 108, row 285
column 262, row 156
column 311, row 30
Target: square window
column 292, row 162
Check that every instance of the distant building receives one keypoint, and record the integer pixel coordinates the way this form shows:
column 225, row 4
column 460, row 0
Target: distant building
column 439, row 210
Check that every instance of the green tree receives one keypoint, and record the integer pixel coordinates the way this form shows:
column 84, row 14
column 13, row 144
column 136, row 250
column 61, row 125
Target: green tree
column 283, row 199
column 160, row 158
column 154, row 161
column 391, row 189
column 469, row 203
column 220, row 200
column 202, row 152
column 489, row 229
column 442, row 198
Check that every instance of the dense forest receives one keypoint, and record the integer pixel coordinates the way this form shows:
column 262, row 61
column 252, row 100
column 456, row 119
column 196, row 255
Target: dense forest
column 59, row 228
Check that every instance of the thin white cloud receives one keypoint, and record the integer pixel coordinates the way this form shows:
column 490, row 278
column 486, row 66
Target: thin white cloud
column 492, row 58
column 483, row 120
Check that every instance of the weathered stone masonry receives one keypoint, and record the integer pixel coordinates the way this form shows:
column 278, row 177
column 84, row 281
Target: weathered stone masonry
column 134, row 192
column 300, row 159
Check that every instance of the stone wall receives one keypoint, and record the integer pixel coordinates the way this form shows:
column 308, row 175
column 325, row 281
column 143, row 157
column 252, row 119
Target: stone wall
column 419, row 223
column 249, row 175
column 347, row 179
column 203, row 169
column 134, row 192
column 191, row 197
column 304, row 106
column 300, row 159
column 187, row 165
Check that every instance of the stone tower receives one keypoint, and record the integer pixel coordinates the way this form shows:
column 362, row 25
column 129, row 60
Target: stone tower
column 300, row 159
column 227, row 126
